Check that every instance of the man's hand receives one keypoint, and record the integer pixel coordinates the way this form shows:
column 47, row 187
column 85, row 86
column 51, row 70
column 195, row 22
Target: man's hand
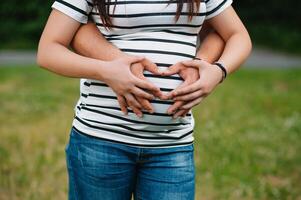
column 209, row 77
column 127, row 87
column 141, row 103
column 190, row 75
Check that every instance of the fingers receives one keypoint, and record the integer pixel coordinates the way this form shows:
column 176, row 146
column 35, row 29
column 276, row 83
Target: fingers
column 123, row 104
column 140, row 93
column 193, row 103
column 169, row 95
column 146, row 85
column 174, row 107
column 188, row 89
column 134, row 104
column 146, row 105
column 189, row 97
column 179, row 113
column 137, row 69
column 185, row 113
column 151, row 67
column 173, row 69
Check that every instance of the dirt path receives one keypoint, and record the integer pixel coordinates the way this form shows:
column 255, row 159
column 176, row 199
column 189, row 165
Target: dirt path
column 260, row 58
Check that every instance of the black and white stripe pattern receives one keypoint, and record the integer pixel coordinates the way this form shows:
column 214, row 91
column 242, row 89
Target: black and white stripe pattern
column 141, row 27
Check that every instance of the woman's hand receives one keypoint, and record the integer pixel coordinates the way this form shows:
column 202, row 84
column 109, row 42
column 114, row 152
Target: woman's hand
column 127, row 87
column 209, row 77
column 190, row 75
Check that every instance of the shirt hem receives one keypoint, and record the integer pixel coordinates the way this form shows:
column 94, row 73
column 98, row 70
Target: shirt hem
column 134, row 145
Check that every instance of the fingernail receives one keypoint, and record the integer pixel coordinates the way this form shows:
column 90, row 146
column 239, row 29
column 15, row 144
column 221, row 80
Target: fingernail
column 165, row 97
column 139, row 115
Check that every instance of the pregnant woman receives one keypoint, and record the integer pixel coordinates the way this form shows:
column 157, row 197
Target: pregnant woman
column 113, row 151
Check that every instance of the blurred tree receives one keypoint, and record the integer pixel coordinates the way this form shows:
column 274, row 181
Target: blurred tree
column 22, row 22
column 273, row 23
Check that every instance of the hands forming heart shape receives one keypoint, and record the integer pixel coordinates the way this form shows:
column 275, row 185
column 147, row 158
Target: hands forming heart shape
column 189, row 75
column 200, row 78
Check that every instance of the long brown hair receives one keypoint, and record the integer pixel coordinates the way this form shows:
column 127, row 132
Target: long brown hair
column 103, row 7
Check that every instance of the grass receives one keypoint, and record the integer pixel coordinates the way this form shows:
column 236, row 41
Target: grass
column 248, row 136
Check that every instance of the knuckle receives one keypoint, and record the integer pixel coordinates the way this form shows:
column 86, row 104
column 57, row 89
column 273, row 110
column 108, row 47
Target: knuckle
column 130, row 102
column 144, row 104
column 205, row 90
column 138, row 93
column 199, row 93
column 131, row 90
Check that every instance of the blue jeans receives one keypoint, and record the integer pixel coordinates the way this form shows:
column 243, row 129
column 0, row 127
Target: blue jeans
column 104, row 170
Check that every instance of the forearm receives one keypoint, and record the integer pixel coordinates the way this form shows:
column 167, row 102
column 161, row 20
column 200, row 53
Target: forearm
column 211, row 47
column 59, row 59
column 238, row 43
column 53, row 53
column 89, row 42
column 237, row 49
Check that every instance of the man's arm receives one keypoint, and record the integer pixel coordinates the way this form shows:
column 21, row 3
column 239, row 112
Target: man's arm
column 89, row 42
column 211, row 44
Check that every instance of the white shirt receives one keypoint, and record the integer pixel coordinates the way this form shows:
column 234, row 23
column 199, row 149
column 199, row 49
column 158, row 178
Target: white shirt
column 141, row 27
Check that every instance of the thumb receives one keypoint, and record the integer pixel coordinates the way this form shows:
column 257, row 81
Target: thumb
column 173, row 69
column 192, row 63
column 139, row 74
column 151, row 67
column 134, row 59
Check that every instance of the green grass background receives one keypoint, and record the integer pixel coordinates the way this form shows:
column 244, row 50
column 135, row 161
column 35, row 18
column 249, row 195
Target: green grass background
column 248, row 135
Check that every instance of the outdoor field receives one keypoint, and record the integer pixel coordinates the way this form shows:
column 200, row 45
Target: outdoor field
column 247, row 147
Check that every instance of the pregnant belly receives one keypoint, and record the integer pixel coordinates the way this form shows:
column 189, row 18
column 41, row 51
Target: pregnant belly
column 98, row 96
column 99, row 103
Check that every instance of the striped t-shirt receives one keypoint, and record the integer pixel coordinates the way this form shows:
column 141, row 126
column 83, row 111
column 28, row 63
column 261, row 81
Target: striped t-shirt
column 141, row 27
